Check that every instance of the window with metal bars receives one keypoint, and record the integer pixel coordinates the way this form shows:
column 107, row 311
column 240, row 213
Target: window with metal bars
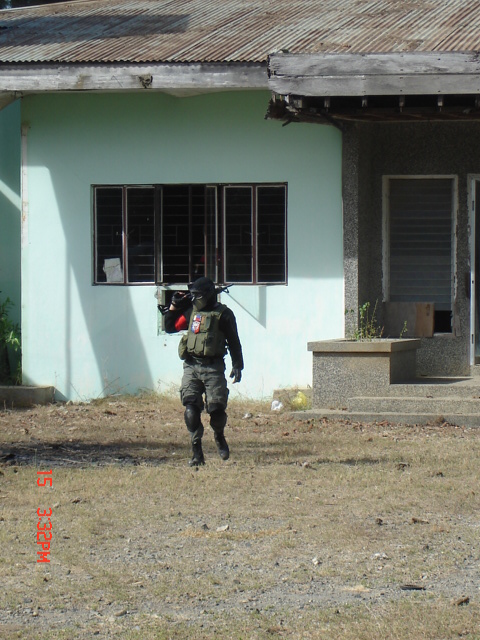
column 172, row 234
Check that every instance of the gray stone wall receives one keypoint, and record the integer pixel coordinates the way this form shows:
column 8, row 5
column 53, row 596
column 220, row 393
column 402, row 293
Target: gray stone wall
column 424, row 148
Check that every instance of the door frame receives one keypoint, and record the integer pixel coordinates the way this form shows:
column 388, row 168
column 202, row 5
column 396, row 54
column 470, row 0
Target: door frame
column 473, row 178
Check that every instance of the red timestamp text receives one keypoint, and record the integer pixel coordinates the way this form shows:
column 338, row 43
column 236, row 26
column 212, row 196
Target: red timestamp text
column 44, row 524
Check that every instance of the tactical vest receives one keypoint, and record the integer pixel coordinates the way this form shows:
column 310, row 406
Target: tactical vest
column 204, row 338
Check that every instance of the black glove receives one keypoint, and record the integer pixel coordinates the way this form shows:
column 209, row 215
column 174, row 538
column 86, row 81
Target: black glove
column 181, row 299
column 236, row 374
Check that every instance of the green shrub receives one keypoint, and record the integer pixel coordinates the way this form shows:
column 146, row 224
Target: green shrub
column 9, row 339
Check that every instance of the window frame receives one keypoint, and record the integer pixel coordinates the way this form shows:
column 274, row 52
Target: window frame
column 125, row 230
column 254, row 225
column 218, row 233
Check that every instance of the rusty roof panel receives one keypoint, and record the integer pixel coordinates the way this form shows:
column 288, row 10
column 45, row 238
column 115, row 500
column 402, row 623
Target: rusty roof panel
column 188, row 31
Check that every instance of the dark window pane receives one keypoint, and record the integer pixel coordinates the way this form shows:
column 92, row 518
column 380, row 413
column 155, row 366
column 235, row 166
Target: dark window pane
column 175, row 237
column 213, row 256
column 238, row 234
column 108, row 234
column 197, row 231
column 140, row 234
column 271, row 234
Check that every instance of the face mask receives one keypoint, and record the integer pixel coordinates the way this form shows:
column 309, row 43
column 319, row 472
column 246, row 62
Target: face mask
column 200, row 302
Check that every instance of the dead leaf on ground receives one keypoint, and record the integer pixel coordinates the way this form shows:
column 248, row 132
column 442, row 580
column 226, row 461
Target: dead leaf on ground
column 419, row 521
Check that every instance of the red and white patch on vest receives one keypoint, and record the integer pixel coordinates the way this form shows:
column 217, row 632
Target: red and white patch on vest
column 197, row 321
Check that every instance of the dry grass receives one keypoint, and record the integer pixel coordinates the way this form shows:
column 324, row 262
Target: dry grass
column 310, row 530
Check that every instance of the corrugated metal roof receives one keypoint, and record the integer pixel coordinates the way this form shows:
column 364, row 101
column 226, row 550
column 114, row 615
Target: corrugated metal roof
column 142, row 31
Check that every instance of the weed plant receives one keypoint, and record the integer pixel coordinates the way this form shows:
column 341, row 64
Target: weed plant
column 368, row 328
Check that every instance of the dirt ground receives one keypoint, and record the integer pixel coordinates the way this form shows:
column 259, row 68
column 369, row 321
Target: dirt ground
column 312, row 529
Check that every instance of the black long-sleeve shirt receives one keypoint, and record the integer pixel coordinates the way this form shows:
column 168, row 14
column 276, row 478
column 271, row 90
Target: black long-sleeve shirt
column 177, row 320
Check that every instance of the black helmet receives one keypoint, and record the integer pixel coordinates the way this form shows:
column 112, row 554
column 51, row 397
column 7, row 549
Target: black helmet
column 203, row 292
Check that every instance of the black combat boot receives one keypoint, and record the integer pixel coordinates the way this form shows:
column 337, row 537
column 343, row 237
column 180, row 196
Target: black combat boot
column 197, row 458
column 222, row 445
column 195, row 427
column 218, row 420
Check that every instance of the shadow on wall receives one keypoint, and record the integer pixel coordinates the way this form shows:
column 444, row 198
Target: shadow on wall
column 112, row 330
column 252, row 300
column 10, row 207
column 10, row 260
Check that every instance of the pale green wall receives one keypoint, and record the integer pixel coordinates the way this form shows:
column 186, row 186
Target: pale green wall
column 10, row 218
column 86, row 339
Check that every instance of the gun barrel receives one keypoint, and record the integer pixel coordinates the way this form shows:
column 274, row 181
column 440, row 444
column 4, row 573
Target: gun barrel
column 223, row 289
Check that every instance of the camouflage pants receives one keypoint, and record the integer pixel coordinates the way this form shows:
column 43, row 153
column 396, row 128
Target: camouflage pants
column 204, row 376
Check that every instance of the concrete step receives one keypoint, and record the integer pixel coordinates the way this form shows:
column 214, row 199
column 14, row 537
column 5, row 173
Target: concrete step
column 438, row 387
column 455, row 400
column 460, row 420
column 25, row 396
column 452, row 405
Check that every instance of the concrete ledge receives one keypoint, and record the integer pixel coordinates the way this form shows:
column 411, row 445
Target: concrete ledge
column 368, row 346
column 346, row 368
column 22, row 396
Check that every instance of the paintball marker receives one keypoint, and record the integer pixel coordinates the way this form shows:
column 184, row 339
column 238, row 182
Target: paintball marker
column 183, row 299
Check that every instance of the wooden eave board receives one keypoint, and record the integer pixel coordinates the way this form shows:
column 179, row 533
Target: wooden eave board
column 128, row 77
column 374, row 74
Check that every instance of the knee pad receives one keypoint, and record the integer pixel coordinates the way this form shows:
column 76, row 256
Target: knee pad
column 196, row 401
column 192, row 417
column 218, row 419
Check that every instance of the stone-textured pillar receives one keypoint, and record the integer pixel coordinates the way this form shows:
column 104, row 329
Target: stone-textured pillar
column 350, row 194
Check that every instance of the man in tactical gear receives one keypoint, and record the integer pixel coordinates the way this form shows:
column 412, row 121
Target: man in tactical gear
column 211, row 329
